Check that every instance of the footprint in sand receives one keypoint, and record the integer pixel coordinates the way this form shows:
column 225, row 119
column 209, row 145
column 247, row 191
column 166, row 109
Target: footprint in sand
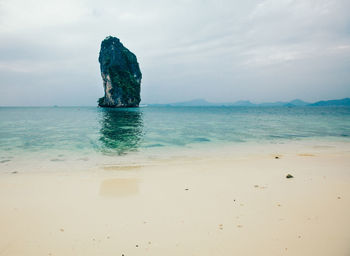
column 57, row 160
column 83, row 159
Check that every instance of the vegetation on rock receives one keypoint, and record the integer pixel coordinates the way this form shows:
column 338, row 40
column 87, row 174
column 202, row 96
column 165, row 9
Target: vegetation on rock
column 121, row 75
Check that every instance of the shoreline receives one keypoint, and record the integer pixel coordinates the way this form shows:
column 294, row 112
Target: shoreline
column 67, row 161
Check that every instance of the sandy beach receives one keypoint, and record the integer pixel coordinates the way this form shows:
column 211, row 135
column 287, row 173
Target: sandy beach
column 215, row 204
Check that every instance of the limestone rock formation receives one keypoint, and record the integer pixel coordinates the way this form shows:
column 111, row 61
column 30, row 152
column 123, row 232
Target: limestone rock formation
column 121, row 75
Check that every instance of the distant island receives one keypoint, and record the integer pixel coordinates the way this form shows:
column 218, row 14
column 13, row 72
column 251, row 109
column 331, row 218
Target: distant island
column 293, row 103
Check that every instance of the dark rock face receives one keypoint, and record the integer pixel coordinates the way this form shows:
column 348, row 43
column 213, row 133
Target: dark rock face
column 121, row 75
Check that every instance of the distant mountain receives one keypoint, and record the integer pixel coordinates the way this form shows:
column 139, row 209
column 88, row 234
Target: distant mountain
column 298, row 102
column 204, row 103
column 192, row 103
column 246, row 103
column 272, row 104
column 241, row 103
column 341, row 102
column 292, row 103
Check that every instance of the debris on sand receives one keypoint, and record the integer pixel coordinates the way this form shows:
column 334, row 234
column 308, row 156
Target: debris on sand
column 289, row 176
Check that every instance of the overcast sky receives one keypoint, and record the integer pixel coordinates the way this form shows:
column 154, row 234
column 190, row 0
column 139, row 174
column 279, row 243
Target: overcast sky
column 221, row 51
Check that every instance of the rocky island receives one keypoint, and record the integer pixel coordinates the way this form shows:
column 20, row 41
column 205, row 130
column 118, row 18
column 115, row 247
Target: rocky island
column 120, row 73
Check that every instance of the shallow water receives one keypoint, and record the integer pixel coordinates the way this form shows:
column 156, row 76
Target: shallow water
column 56, row 133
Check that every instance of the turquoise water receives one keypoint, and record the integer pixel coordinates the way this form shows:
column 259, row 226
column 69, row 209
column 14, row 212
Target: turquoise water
column 116, row 132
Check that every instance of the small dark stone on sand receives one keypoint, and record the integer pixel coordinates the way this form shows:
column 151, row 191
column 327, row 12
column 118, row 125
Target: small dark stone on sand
column 339, row 197
column 14, row 172
column 276, row 157
column 289, row 176
column 186, row 189
column 137, row 245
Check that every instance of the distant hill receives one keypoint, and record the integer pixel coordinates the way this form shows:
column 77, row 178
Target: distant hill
column 241, row 103
column 204, row 103
column 191, row 103
column 298, row 102
column 341, row 102
column 292, row 103
column 246, row 103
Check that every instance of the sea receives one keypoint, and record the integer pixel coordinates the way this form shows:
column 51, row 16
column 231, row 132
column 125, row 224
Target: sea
column 38, row 137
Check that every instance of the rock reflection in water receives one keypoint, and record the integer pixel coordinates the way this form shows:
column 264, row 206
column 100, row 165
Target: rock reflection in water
column 121, row 130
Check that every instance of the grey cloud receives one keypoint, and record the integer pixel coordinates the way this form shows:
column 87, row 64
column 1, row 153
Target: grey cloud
column 218, row 50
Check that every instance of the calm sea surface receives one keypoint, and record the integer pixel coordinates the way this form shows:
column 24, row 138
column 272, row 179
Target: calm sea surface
column 61, row 131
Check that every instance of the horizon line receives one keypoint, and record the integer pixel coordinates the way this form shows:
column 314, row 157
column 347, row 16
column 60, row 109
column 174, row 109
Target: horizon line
column 255, row 103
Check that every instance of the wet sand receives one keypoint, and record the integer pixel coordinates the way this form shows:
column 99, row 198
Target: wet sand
column 223, row 204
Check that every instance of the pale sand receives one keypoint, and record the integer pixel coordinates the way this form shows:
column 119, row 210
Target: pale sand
column 225, row 204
